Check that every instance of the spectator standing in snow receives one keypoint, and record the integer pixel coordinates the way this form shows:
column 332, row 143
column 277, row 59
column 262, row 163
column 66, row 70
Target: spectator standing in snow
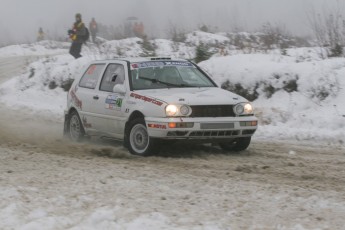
column 93, row 29
column 141, row 30
column 77, row 35
column 138, row 29
column 40, row 35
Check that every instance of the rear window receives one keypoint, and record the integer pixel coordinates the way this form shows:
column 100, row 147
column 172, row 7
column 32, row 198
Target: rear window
column 91, row 76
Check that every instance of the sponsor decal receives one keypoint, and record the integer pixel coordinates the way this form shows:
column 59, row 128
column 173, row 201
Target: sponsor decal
column 85, row 123
column 157, row 126
column 146, row 99
column 160, row 63
column 113, row 102
column 178, row 63
column 91, row 70
column 131, row 102
column 75, row 100
column 150, row 64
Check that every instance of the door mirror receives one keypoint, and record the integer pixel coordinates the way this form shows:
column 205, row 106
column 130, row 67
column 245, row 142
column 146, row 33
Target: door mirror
column 119, row 88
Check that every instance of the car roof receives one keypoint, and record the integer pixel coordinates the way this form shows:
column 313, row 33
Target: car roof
column 140, row 59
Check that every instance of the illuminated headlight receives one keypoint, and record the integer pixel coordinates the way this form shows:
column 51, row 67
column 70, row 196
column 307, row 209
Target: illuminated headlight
column 248, row 108
column 177, row 110
column 243, row 109
column 171, row 110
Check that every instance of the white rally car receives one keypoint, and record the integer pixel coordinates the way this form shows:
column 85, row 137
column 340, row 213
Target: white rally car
column 143, row 101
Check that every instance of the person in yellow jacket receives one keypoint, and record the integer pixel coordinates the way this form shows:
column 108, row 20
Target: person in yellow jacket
column 77, row 34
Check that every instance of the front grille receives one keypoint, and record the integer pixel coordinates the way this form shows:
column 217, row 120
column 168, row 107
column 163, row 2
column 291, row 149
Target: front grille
column 227, row 133
column 212, row 111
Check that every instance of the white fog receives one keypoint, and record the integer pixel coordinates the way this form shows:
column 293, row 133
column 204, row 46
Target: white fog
column 20, row 20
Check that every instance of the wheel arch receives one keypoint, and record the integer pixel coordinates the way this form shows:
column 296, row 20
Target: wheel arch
column 134, row 115
column 67, row 117
column 71, row 110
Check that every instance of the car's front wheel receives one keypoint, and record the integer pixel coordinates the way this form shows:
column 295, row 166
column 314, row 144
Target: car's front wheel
column 138, row 140
column 238, row 144
column 75, row 128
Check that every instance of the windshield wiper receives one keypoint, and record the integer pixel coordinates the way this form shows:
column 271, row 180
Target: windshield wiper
column 163, row 82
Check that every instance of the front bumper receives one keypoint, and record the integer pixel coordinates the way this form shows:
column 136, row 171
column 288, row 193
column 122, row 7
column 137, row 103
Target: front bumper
column 201, row 128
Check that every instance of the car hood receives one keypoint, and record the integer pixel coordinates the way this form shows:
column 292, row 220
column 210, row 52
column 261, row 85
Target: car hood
column 193, row 96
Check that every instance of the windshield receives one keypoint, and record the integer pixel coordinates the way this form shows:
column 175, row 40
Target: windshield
column 167, row 74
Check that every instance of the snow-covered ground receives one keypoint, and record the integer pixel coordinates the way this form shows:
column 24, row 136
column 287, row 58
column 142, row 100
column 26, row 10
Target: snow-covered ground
column 313, row 111
column 46, row 183
column 39, row 48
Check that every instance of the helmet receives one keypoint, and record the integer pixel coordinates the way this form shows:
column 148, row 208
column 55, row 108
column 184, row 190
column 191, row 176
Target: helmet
column 78, row 15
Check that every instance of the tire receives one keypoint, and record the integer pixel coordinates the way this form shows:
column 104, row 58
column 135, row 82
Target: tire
column 75, row 129
column 239, row 144
column 137, row 139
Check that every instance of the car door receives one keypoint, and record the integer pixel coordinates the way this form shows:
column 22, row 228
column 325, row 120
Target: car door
column 111, row 102
column 87, row 94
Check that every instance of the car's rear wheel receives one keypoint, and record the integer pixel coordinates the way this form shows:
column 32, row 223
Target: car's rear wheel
column 138, row 140
column 75, row 128
column 237, row 145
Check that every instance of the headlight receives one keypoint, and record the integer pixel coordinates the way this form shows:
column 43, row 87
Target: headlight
column 248, row 109
column 178, row 110
column 239, row 109
column 171, row 110
column 243, row 109
column 184, row 110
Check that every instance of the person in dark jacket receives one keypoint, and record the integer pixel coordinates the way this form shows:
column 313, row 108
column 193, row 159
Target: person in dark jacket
column 77, row 35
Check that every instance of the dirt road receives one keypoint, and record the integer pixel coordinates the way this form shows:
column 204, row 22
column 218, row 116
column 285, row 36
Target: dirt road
column 269, row 186
column 51, row 182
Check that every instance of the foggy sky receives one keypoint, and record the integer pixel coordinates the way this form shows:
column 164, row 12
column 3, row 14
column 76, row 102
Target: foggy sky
column 20, row 19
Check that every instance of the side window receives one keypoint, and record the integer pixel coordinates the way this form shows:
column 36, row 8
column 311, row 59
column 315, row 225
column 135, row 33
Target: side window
column 91, row 76
column 114, row 74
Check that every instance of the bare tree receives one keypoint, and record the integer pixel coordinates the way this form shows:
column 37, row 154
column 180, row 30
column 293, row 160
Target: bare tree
column 175, row 33
column 275, row 36
column 328, row 28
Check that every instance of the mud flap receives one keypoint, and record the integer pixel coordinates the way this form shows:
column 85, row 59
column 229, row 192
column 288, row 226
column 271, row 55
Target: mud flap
column 65, row 127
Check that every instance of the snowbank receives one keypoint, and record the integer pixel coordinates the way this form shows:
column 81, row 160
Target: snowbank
column 298, row 96
column 39, row 48
column 310, row 108
column 197, row 37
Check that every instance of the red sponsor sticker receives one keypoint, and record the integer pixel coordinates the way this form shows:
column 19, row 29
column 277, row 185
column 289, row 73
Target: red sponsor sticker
column 91, row 69
column 157, row 126
column 147, row 99
column 78, row 103
column 86, row 124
